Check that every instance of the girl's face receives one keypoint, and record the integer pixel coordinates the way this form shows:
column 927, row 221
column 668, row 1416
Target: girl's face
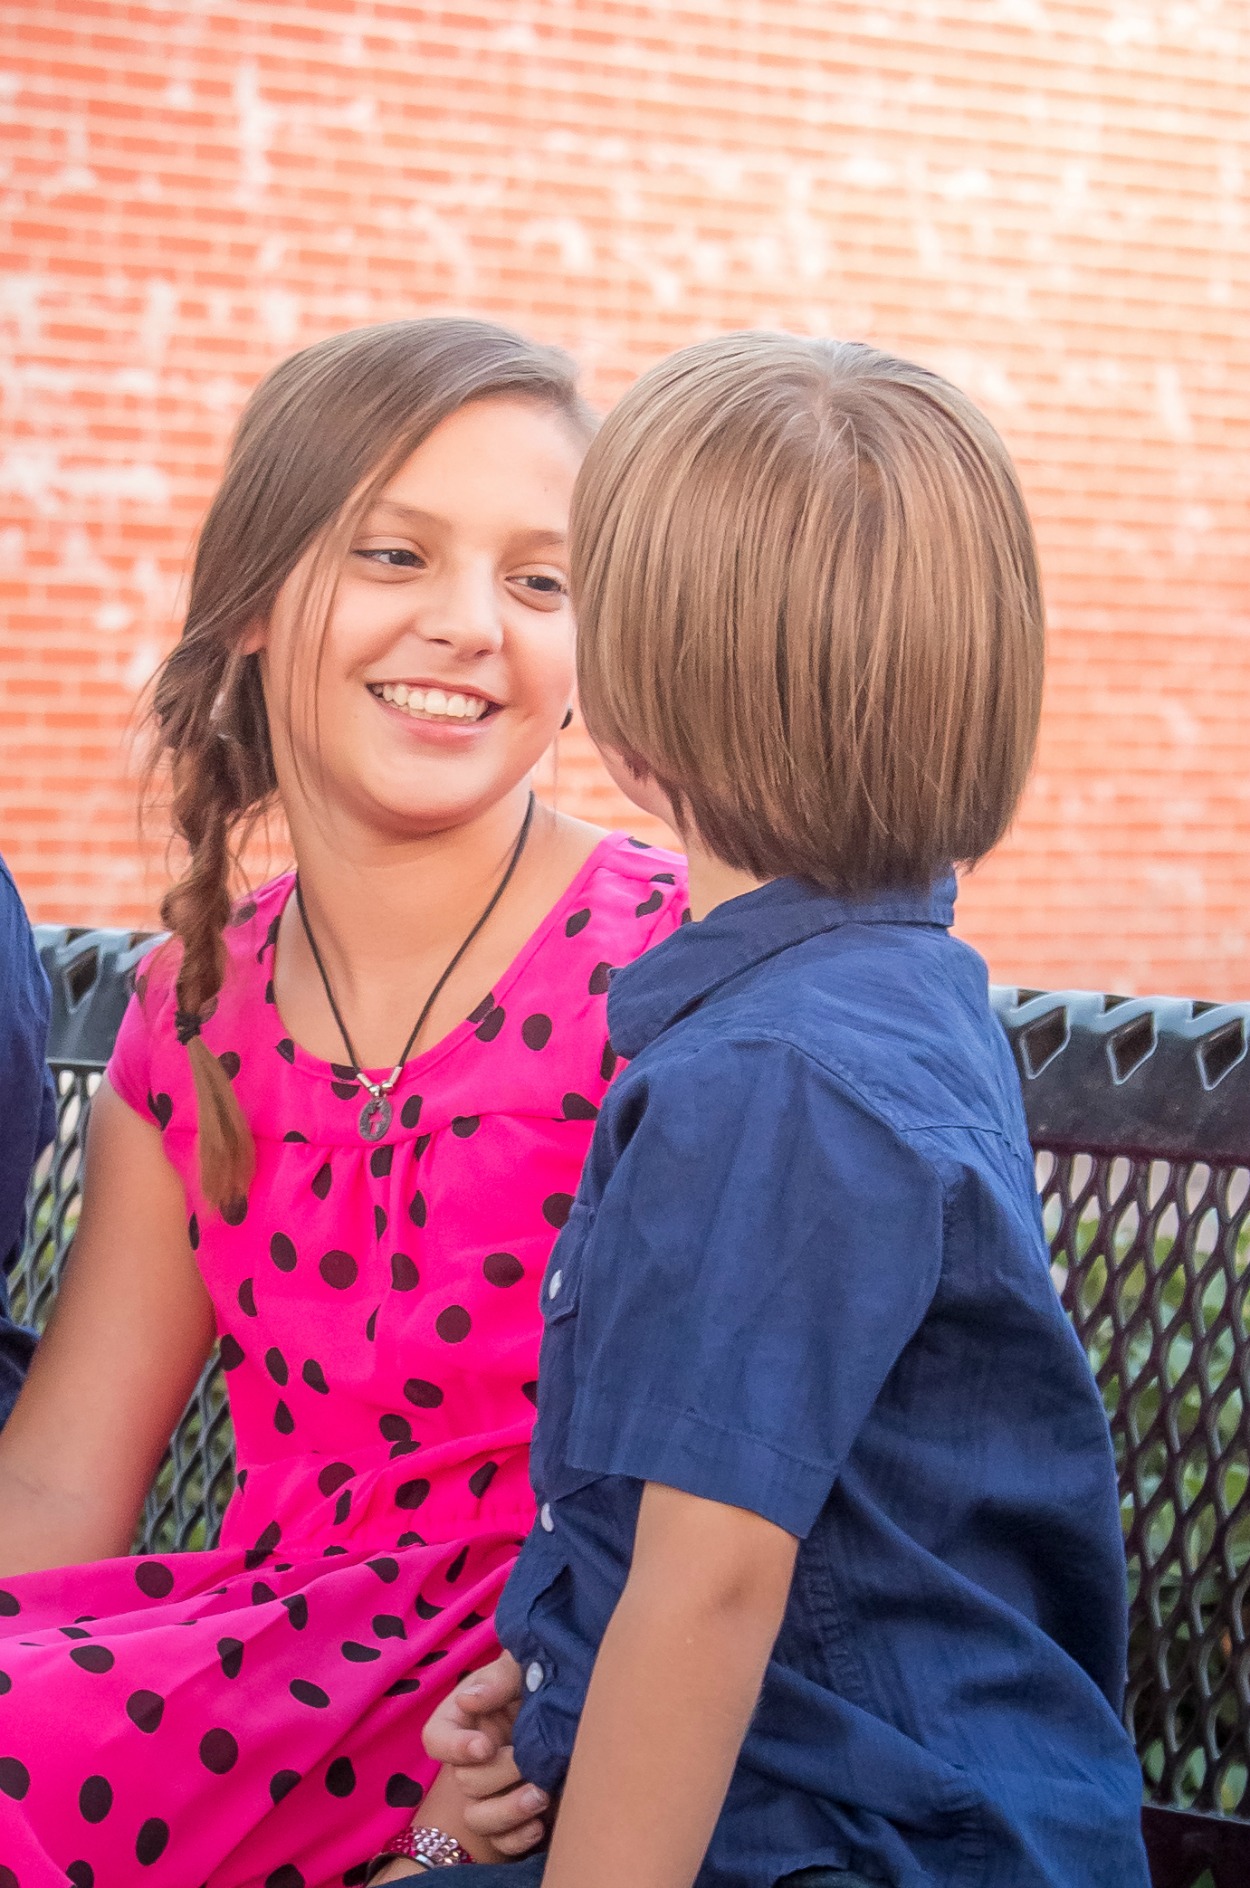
column 447, row 663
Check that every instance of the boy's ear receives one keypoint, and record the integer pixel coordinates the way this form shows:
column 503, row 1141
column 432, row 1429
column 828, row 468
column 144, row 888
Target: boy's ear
column 639, row 786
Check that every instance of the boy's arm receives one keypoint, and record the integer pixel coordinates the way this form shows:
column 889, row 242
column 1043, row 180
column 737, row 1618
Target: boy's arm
column 673, row 1689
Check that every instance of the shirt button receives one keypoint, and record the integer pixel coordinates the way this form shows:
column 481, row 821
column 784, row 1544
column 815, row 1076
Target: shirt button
column 553, row 1288
column 545, row 1521
column 533, row 1676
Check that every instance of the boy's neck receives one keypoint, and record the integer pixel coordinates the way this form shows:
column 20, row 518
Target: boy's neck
column 712, row 882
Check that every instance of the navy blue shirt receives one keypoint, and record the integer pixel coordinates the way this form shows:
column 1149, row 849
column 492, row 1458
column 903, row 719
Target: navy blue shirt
column 27, row 1108
column 805, row 1275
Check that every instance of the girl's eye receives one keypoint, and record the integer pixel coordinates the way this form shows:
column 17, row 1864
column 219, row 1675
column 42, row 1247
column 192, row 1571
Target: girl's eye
column 392, row 557
column 541, row 585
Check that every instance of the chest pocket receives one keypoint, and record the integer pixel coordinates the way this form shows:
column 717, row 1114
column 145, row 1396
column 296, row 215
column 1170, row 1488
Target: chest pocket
column 554, row 1476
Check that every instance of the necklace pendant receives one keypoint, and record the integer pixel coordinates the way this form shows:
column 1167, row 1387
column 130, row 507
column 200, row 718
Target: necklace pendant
column 375, row 1118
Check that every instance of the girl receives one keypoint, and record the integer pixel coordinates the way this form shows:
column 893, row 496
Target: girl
column 340, row 1130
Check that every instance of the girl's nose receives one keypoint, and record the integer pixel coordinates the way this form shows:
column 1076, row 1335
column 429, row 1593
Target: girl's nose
column 462, row 613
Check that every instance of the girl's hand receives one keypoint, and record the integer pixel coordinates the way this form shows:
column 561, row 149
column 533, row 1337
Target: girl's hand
column 471, row 1734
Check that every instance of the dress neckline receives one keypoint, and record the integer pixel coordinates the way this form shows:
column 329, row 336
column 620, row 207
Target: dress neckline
column 303, row 1059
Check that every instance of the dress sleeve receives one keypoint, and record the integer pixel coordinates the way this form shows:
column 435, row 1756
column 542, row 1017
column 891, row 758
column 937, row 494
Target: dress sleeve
column 764, row 1250
column 129, row 1070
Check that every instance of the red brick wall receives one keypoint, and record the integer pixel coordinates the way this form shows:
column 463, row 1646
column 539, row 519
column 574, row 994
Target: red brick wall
column 1044, row 198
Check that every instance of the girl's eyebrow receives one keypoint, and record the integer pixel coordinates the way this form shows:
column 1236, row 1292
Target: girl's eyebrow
column 537, row 539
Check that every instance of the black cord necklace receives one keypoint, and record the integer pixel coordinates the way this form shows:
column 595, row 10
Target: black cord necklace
column 376, row 1115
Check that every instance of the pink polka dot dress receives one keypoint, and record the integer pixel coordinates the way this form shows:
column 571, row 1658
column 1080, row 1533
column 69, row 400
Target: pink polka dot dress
column 251, row 1717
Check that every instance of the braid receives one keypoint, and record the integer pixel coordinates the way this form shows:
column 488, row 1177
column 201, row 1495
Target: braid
column 214, row 788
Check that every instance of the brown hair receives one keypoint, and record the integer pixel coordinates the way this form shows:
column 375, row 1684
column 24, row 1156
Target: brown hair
column 809, row 606
column 328, row 426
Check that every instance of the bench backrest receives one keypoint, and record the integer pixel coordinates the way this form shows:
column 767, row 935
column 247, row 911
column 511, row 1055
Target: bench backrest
column 1139, row 1112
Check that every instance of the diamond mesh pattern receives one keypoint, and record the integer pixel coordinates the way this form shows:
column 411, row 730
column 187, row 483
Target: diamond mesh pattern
column 193, row 1484
column 1152, row 1259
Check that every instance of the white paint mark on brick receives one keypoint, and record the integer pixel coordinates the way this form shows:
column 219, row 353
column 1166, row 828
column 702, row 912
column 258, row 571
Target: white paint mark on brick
column 280, row 316
column 113, row 617
column 1170, row 403
column 866, row 171
column 257, row 123
column 962, row 186
column 567, row 235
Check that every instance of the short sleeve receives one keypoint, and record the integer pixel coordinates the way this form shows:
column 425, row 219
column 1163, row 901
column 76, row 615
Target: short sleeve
column 129, row 1070
column 764, row 1249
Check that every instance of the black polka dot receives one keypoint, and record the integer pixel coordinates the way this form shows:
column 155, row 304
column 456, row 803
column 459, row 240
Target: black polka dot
column 481, row 1479
column 287, row 1876
column 556, row 1209
column 424, row 1395
column 230, row 1652
column 470, row 1620
column 577, row 922
column 649, row 905
column 6, row 1683
column 416, row 1210
column 577, row 1108
column 388, row 1626
column 530, row 1392
column 395, row 1428
column 154, row 1578
column 385, row 1568
column 403, row 1792
column 193, row 1232
column 296, row 1606
column 608, row 1062
column 293, row 1134
column 93, row 1658
column 402, row 1688
column 454, row 1324
column 491, row 1024
column 230, row 1063
column 333, row 1475
column 321, row 1180
column 456, row 1567
column 151, row 1841
column 380, row 1161
column 81, row 1875
column 315, row 1377
column 95, row 1799
column 420, row 1144
column 282, row 1252
column 404, row 1274
column 502, row 1269
column 263, row 1545
column 305, row 1692
column 247, row 1298
column 536, row 1031
column 410, row 1113
column 358, row 1654
column 270, row 993
column 425, row 1609
column 219, row 1751
column 371, row 1323
column 483, row 1009
column 663, row 878
column 410, row 1538
column 600, row 977
column 244, row 913
column 283, row 1421
column 281, row 1783
column 262, row 1593
column 411, row 1494
column 342, row 1507
column 346, row 1091
column 10, row 1605
column 234, row 1212
column 687, row 915
column 276, row 1365
column 286, row 1049
column 343, row 1072
column 14, row 1778
column 162, row 1109
column 340, row 1777
column 464, row 1126
column 145, row 1709
column 74, row 1632
column 339, row 1270
column 231, row 1352
column 641, row 845
column 379, row 1221
column 7, row 1878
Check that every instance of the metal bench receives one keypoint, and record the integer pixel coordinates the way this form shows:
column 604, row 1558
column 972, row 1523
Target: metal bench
column 1139, row 1113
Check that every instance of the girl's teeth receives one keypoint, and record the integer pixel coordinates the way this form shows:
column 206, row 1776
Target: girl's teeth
column 433, row 702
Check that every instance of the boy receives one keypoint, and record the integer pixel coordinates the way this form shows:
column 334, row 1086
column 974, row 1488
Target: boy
column 828, row 1573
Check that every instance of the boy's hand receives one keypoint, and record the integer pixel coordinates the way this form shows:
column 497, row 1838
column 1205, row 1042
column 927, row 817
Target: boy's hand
column 471, row 1734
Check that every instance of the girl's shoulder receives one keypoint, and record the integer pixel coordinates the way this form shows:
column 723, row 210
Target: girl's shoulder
column 635, row 894
column 249, row 939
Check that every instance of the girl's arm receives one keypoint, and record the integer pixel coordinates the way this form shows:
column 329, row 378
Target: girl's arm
column 673, row 1689
column 128, row 1336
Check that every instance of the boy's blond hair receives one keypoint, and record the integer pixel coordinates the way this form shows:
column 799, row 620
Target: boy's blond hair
column 809, row 606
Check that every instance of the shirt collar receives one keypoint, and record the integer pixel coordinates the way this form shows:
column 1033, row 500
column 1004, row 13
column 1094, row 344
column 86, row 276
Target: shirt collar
column 649, row 994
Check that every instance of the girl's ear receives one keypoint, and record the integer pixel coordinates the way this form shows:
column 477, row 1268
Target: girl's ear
column 255, row 637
